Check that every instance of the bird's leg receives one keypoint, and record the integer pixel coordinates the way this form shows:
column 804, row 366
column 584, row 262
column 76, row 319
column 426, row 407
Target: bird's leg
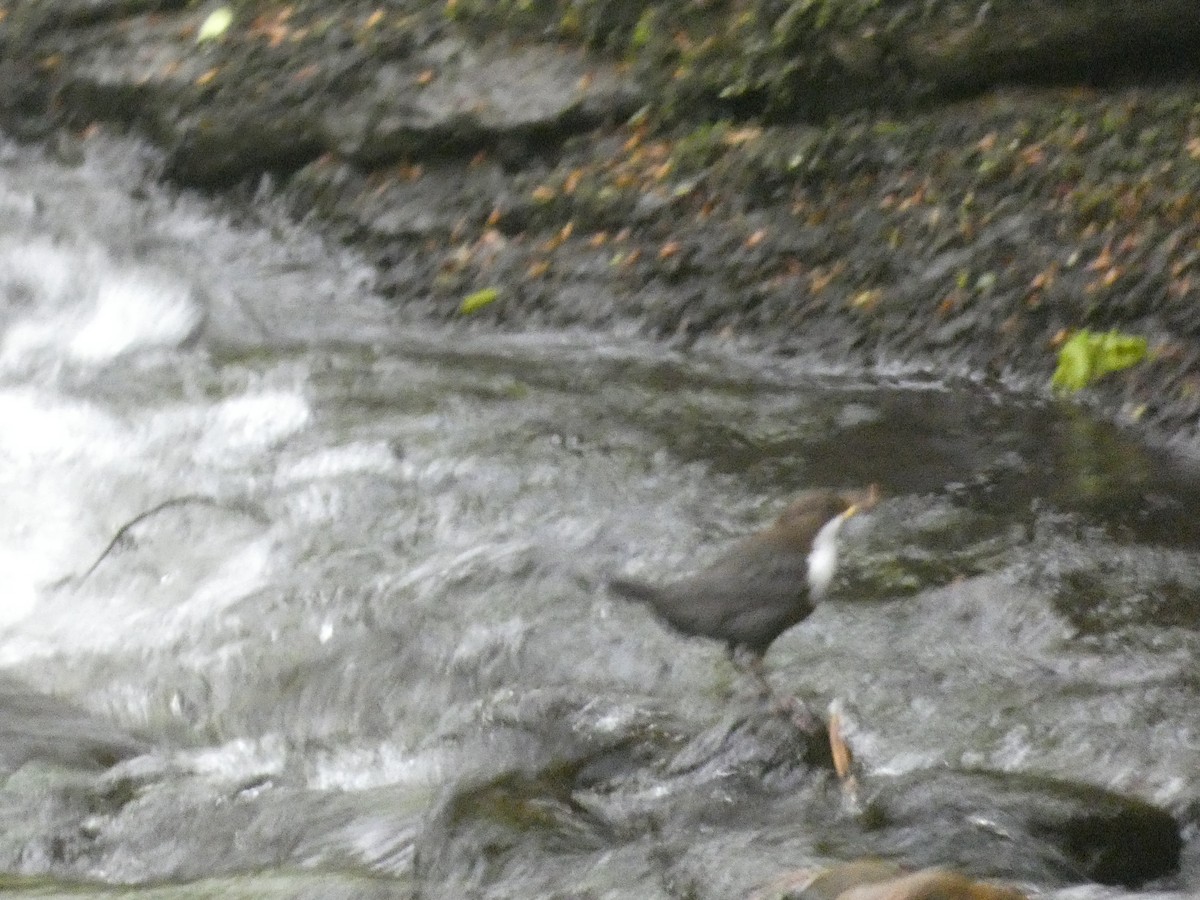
column 753, row 663
column 803, row 717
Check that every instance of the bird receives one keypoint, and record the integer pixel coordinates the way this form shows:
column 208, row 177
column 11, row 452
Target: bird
column 764, row 584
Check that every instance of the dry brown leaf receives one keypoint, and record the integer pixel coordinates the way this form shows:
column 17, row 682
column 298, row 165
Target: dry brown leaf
column 843, row 759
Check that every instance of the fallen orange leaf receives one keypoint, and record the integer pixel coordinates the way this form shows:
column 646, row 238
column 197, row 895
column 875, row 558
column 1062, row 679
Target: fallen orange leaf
column 739, row 136
column 819, row 279
column 842, row 757
column 1180, row 287
column 1033, row 155
column 1103, row 261
column 1044, row 278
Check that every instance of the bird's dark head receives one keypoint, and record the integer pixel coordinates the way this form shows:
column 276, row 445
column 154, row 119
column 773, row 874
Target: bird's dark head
column 811, row 510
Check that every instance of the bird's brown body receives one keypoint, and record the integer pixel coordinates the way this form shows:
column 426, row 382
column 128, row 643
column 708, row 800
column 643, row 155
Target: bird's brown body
column 762, row 586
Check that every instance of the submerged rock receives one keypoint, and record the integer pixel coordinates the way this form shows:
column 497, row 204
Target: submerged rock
column 38, row 727
column 1022, row 826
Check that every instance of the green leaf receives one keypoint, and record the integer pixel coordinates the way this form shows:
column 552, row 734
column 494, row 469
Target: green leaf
column 1074, row 370
column 1087, row 356
column 215, row 25
column 478, row 300
column 1119, row 351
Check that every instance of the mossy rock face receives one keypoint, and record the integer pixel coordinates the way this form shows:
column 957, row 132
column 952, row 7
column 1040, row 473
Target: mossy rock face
column 604, row 26
column 780, row 59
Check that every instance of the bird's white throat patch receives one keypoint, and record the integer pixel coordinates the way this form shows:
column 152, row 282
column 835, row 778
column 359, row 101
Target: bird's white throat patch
column 822, row 559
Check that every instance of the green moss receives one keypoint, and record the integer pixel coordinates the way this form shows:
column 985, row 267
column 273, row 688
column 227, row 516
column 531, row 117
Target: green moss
column 700, row 147
column 805, row 14
column 603, row 25
column 643, row 31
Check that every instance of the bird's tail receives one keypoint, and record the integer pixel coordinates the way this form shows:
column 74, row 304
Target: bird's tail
column 637, row 591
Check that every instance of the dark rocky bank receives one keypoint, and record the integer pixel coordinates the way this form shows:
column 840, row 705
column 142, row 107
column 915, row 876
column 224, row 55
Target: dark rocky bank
column 952, row 186
column 941, row 185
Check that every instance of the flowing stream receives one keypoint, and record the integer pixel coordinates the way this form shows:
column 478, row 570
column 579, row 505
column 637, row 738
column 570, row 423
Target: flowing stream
column 301, row 599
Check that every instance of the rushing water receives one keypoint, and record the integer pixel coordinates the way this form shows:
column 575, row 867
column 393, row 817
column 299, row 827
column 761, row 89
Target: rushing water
column 302, row 600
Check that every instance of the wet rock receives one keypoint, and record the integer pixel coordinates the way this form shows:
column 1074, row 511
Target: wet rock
column 149, row 73
column 454, row 99
column 87, row 12
column 1067, row 40
column 1022, row 826
column 138, row 71
column 609, row 802
column 39, row 727
column 1111, row 590
column 244, row 139
column 765, row 748
column 164, row 821
column 521, row 801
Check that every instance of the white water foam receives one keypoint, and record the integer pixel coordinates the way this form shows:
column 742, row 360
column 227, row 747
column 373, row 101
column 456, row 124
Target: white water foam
column 52, row 454
column 81, row 306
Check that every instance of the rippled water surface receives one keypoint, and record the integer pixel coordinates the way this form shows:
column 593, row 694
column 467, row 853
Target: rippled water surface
column 304, row 600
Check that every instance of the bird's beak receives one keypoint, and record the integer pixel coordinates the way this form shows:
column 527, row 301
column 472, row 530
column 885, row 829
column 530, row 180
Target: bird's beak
column 871, row 498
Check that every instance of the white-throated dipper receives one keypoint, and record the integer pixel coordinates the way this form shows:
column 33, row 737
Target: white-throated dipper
column 766, row 583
